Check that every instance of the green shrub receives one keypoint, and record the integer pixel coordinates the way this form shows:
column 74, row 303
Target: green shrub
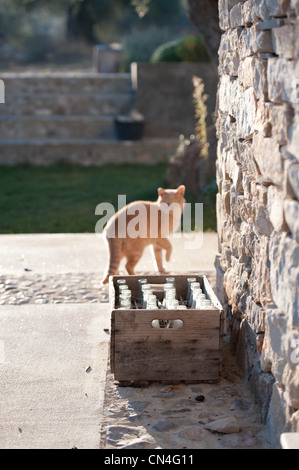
column 140, row 45
column 190, row 48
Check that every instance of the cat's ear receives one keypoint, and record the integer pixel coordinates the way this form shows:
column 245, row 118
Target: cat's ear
column 161, row 191
column 181, row 190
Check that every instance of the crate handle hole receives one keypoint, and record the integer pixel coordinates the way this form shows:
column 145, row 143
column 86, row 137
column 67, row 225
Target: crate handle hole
column 175, row 324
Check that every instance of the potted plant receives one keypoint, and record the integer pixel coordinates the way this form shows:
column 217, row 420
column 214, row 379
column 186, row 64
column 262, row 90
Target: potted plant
column 130, row 126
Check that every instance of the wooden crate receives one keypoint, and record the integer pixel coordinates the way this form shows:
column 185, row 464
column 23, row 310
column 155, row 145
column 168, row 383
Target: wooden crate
column 139, row 352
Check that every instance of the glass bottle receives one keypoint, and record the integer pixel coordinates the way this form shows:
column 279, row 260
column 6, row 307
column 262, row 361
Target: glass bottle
column 190, row 280
column 146, row 289
column 126, row 296
column 141, row 282
column 151, row 302
column 198, row 298
column 125, row 304
column 194, row 287
column 169, row 292
column 170, row 280
column 120, row 282
column 205, row 304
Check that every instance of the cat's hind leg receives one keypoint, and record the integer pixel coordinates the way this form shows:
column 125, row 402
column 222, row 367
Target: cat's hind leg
column 132, row 260
column 114, row 257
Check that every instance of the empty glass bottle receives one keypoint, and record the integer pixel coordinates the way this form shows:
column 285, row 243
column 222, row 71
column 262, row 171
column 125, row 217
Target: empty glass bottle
column 125, row 304
column 141, row 282
column 126, row 296
column 169, row 293
column 194, row 289
column 151, row 302
column 146, row 289
column 190, row 280
column 204, row 304
column 170, row 280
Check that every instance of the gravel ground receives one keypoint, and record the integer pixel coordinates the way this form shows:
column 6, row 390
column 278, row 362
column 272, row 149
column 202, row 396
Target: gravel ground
column 183, row 416
column 44, row 289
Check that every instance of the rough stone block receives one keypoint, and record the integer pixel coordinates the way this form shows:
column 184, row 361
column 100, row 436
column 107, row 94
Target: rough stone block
column 283, row 79
column 229, row 64
column 259, row 281
column 253, row 41
column 281, row 119
column 245, row 72
column 236, row 16
column 276, row 417
column 277, row 8
column 293, row 144
column 260, row 84
column 246, row 114
column 248, row 12
column 225, row 7
column 284, row 41
column 245, row 155
column 263, row 122
column 271, row 168
column 291, row 382
column 275, row 200
column 255, row 315
column 273, row 353
column 291, row 213
column 294, row 5
column 259, row 193
column 284, row 275
column 228, row 95
column 254, row 11
column 229, row 42
column 293, row 178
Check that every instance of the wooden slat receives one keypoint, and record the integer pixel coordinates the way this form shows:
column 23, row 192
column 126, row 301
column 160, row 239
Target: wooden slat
column 146, row 353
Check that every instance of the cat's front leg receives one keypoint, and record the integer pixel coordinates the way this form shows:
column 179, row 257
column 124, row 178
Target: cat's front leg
column 158, row 258
column 168, row 251
column 162, row 243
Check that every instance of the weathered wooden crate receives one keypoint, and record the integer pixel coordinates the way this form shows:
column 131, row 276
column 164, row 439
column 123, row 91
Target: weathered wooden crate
column 141, row 353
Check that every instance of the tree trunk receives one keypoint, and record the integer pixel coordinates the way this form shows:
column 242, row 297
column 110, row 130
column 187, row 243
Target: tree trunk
column 204, row 14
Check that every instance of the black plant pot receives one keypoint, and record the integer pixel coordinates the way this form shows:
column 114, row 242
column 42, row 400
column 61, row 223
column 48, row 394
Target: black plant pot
column 128, row 128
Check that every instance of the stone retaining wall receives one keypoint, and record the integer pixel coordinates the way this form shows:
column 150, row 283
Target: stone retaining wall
column 165, row 96
column 69, row 117
column 257, row 202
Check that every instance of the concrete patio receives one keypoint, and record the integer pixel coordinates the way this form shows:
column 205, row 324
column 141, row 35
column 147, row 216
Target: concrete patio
column 54, row 374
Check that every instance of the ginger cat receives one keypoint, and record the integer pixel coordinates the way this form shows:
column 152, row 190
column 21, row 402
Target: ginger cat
column 128, row 234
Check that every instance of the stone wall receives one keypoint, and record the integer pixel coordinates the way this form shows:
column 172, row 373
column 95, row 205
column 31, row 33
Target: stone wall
column 257, row 202
column 69, row 117
column 165, row 96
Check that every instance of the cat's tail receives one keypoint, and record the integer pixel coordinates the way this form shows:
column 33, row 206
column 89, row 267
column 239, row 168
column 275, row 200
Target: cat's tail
column 114, row 258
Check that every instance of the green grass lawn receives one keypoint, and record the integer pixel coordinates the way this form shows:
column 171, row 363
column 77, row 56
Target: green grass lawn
column 63, row 198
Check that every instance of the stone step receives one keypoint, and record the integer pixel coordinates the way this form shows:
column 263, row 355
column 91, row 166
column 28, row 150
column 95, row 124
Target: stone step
column 86, row 151
column 65, row 82
column 56, row 127
column 63, row 104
